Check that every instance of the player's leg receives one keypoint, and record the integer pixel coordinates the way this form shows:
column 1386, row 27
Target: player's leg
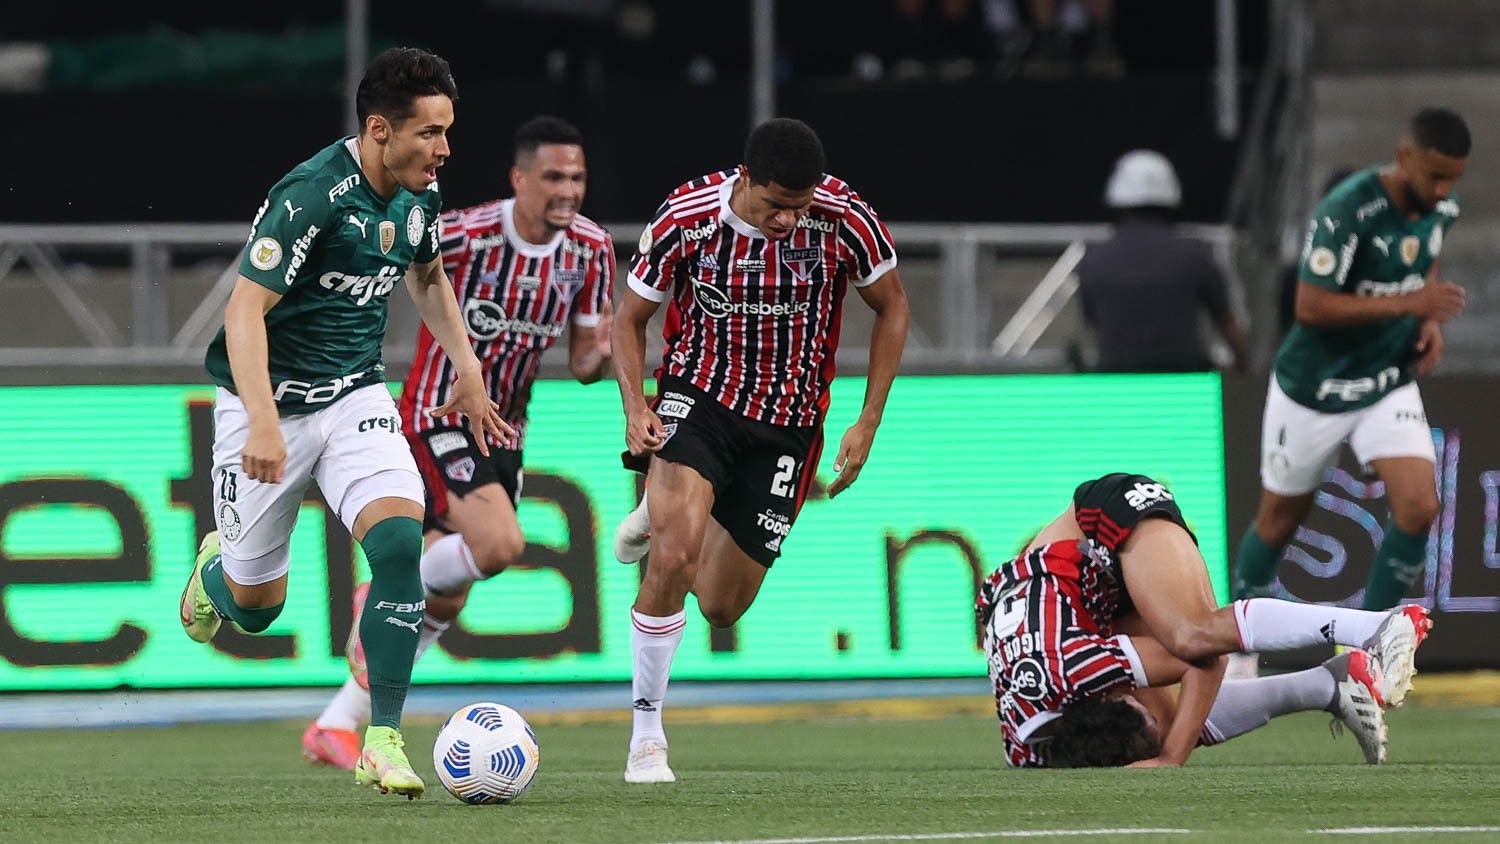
column 1393, row 437
column 241, row 568
column 367, row 468
column 474, row 500
column 728, row 578
column 1297, row 446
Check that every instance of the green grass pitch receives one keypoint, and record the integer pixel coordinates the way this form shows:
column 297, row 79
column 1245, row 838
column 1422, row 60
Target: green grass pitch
column 849, row 778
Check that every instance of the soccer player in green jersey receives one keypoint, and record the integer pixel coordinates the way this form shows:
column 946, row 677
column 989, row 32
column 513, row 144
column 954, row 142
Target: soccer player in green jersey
column 301, row 393
column 1369, row 313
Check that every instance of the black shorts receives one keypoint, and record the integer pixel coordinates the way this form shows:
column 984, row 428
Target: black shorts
column 449, row 460
column 1108, row 509
column 760, row 472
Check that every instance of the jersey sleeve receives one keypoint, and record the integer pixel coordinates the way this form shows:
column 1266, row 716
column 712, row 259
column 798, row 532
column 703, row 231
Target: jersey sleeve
column 453, row 242
column 866, row 250
column 290, row 221
column 598, row 286
column 1096, row 665
column 1332, row 237
column 429, row 247
column 656, row 256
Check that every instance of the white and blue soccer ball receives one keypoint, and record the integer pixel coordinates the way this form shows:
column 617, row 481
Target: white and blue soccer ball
column 486, row 753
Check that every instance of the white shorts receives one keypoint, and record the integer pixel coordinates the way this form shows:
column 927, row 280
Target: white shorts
column 1298, row 444
column 354, row 450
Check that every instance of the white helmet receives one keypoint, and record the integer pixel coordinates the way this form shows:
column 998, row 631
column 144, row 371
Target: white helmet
column 1143, row 177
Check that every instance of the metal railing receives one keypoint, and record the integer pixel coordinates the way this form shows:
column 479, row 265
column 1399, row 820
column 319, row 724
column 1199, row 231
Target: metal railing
column 179, row 277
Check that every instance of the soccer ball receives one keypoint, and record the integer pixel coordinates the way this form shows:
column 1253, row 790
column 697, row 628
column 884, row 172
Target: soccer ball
column 486, row 753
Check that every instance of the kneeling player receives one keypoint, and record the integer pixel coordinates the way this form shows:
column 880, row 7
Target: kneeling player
column 1120, row 560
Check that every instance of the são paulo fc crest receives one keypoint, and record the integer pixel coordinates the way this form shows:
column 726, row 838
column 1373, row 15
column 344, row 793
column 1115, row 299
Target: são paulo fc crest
column 416, row 225
column 387, row 236
column 461, row 470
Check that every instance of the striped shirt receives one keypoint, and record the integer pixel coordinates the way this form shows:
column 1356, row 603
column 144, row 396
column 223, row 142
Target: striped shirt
column 755, row 322
column 1045, row 649
column 517, row 298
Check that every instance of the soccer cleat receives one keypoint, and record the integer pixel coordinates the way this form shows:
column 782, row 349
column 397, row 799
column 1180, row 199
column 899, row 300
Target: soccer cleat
column 633, row 536
column 325, row 746
column 354, row 649
column 1357, row 702
column 383, row 766
column 199, row 618
column 648, row 763
column 1395, row 646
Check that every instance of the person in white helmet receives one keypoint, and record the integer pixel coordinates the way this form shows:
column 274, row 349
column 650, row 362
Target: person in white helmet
column 1144, row 289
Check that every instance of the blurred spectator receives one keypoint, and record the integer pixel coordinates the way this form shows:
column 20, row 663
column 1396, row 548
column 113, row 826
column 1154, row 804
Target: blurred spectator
column 942, row 38
column 1144, row 289
column 1286, row 305
column 1061, row 37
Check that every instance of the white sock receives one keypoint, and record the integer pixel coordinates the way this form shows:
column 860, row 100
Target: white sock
column 431, row 630
column 653, row 641
column 350, row 706
column 1270, row 624
column 448, row 566
column 348, row 709
column 1244, row 705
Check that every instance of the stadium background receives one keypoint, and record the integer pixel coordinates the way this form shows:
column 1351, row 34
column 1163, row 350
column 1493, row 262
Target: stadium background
column 140, row 150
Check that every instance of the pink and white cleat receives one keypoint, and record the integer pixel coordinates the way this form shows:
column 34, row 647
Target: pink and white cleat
column 354, row 649
column 326, row 746
column 1395, row 646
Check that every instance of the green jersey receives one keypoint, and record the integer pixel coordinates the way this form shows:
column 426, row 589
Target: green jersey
column 1358, row 242
column 334, row 250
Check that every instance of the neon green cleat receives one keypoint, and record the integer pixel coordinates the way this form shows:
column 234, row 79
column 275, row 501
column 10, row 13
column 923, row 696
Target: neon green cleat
column 199, row 618
column 383, row 764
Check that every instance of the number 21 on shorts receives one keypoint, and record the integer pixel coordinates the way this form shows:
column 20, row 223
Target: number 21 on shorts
column 781, row 482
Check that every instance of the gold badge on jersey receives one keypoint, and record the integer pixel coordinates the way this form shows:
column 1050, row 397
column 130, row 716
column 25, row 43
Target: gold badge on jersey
column 1410, row 246
column 388, row 236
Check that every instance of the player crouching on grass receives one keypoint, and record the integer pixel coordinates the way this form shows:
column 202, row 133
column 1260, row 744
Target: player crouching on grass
column 1113, row 596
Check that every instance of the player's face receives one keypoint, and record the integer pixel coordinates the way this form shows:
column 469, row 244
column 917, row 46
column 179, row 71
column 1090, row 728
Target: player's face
column 1152, row 727
column 416, row 147
column 773, row 209
column 550, row 183
column 1430, row 175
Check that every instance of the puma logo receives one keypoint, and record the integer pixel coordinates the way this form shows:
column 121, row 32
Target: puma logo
column 360, row 223
column 291, row 213
column 1383, row 244
column 413, row 626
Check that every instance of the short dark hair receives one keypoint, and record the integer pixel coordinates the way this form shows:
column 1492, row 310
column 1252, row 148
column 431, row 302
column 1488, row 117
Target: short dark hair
column 545, row 129
column 1441, row 129
column 784, row 151
column 396, row 78
column 1097, row 733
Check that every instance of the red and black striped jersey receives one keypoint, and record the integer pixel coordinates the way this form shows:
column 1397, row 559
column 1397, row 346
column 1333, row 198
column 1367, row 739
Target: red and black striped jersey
column 1045, row 649
column 753, row 321
column 517, row 298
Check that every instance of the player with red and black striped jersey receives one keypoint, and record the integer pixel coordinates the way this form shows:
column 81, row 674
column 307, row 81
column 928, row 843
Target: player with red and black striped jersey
column 526, row 271
column 754, row 263
column 1113, row 596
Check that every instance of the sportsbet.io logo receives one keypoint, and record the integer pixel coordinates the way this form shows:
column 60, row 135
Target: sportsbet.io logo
column 717, row 305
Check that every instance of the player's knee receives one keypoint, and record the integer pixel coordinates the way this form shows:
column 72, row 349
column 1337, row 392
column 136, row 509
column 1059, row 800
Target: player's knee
column 447, row 607
column 720, row 614
column 1190, row 641
column 1276, row 528
column 497, row 551
column 1414, row 513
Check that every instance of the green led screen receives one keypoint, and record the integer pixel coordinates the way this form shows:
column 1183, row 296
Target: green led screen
column 104, row 492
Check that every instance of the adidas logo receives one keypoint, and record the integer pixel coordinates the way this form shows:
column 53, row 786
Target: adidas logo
column 643, row 705
column 1327, row 631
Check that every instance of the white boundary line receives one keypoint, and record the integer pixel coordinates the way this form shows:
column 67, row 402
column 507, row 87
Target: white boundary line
column 949, row 836
column 1392, row 830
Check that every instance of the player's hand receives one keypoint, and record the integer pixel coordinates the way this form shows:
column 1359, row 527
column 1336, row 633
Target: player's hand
column 1440, row 300
column 644, row 432
column 1155, row 762
column 854, row 450
column 264, row 456
column 470, row 399
column 1429, row 348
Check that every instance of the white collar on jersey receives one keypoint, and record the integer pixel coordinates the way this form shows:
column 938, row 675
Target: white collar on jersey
column 730, row 218
column 1028, row 728
column 523, row 246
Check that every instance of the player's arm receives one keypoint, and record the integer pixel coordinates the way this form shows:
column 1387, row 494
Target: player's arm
column 887, row 298
column 433, row 295
column 589, row 346
column 1324, row 299
column 1200, row 685
column 643, row 429
column 263, row 457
